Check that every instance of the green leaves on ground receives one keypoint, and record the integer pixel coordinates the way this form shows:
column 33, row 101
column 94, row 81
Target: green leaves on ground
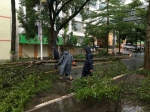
column 19, row 85
column 142, row 89
column 100, row 84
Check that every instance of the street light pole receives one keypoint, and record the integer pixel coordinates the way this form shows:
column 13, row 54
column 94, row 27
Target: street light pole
column 40, row 37
column 113, row 50
column 42, row 2
column 40, row 33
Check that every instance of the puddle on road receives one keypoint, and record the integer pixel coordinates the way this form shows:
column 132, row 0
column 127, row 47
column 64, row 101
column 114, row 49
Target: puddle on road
column 132, row 108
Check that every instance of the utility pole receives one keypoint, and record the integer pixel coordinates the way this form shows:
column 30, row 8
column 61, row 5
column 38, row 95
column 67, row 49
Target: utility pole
column 40, row 37
column 42, row 2
column 113, row 50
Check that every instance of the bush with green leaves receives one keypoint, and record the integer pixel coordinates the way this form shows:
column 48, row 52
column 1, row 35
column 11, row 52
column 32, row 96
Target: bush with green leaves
column 102, row 53
column 100, row 85
column 18, row 84
column 143, row 72
column 80, row 56
column 143, row 91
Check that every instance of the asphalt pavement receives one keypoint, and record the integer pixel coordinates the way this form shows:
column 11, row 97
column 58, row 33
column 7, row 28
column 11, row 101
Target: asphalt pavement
column 134, row 62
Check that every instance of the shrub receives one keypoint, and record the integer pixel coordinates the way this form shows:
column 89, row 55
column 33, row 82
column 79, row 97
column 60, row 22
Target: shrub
column 80, row 56
column 100, row 84
column 18, row 85
column 143, row 72
column 143, row 91
column 102, row 53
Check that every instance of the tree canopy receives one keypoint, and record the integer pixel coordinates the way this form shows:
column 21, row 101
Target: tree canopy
column 55, row 15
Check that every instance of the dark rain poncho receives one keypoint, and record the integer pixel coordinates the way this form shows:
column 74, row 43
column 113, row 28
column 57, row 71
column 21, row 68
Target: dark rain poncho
column 65, row 63
column 56, row 54
column 88, row 64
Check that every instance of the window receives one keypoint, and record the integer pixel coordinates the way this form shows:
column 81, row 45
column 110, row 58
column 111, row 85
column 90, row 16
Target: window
column 132, row 12
column 101, row 6
column 93, row 5
column 78, row 15
column 78, row 27
column 80, row 40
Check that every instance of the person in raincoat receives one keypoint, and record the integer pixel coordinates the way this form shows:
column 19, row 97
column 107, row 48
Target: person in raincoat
column 56, row 56
column 65, row 63
column 88, row 64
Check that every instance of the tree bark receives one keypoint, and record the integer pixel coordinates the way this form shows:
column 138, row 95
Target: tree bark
column 13, row 30
column 53, row 15
column 53, row 39
column 147, row 42
column 108, row 26
column 119, row 44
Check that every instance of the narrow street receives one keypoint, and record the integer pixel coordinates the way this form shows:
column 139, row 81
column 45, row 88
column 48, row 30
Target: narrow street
column 134, row 62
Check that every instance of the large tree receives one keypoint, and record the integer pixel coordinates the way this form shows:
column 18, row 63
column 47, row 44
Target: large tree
column 147, row 41
column 56, row 15
column 13, row 30
column 106, row 19
column 109, row 18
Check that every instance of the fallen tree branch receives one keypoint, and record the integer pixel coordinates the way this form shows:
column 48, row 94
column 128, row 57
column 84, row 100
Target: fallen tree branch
column 38, row 62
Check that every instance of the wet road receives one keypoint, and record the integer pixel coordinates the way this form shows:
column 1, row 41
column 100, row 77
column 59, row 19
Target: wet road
column 134, row 62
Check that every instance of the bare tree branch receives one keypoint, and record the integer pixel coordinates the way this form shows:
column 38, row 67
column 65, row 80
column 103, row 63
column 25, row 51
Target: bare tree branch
column 63, row 5
column 73, row 15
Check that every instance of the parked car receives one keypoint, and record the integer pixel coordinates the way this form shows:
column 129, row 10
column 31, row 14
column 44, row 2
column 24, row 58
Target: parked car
column 142, row 48
column 129, row 46
column 139, row 48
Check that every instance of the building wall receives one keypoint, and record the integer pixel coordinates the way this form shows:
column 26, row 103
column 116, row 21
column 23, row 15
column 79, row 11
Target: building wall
column 27, row 50
column 5, row 29
column 110, row 39
column 45, row 51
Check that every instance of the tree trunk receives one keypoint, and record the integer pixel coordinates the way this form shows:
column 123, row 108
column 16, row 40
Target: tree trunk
column 52, row 39
column 107, row 25
column 140, row 45
column 136, row 43
column 147, row 43
column 119, row 44
column 13, row 30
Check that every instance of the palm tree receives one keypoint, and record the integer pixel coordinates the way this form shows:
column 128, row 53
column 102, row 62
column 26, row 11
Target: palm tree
column 13, row 30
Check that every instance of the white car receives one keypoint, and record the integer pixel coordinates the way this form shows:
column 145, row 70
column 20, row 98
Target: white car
column 142, row 48
column 129, row 46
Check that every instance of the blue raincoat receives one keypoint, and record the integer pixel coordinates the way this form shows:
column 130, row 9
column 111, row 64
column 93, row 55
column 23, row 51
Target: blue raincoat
column 56, row 54
column 88, row 64
column 65, row 63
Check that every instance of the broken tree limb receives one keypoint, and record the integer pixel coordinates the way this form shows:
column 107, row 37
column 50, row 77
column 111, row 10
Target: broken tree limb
column 38, row 62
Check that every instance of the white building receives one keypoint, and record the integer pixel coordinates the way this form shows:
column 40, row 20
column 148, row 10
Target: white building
column 5, row 29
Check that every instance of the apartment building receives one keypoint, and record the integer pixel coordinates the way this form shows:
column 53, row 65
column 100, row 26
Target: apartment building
column 5, row 29
column 136, row 20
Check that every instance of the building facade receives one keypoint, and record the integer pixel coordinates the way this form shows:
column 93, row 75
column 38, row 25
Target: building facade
column 5, row 29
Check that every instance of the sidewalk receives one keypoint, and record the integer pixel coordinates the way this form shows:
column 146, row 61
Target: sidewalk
column 121, row 50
